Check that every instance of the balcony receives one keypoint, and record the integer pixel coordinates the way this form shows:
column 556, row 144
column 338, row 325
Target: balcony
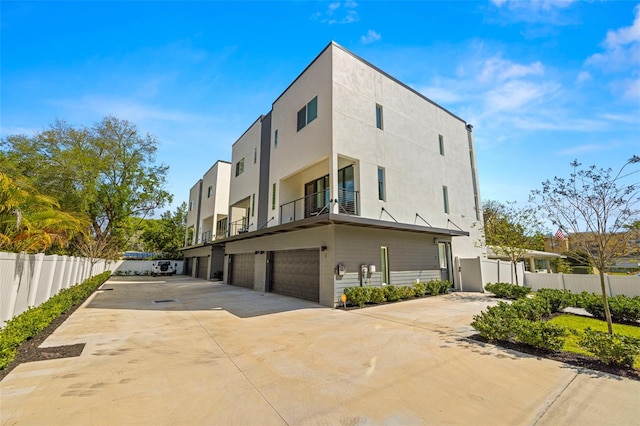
column 225, row 229
column 319, row 203
column 206, row 237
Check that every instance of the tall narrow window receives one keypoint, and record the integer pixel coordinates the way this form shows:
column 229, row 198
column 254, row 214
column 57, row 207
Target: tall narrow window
column 384, row 265
column 190, row 205
column 445, row 199
column 253, row 205
column 275, row 139
column 381, row 192
column 273, row 197
column 209, row 191
column 379, row 116
column 308, row 113
column 441, row 142
column 255, row 155
column 239, row 167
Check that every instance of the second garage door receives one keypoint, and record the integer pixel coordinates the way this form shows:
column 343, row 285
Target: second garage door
column 203, row 267
column 296, row 273
column 242, row 269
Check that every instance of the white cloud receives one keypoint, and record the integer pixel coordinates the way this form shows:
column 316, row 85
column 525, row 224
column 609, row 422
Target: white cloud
column 621, row 48
column 583, row 77
column 581, row 149
column 370, row 37
column 440, row 95
column 497, row 69
column 339, row 13
column 533, row 4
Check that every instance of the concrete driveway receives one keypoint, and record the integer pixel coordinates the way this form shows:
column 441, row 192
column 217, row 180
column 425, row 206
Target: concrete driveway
column 167, row 351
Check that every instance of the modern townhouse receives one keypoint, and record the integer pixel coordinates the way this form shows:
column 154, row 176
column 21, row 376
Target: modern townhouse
column 352, row 178
column 208, row 207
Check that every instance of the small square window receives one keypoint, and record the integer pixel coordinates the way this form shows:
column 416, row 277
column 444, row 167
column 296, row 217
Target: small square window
column 308, row 113
column 379, row 116
column 441, row 143
column 239, row 167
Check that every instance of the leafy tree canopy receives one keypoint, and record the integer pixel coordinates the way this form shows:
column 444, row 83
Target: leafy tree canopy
column 107, row 172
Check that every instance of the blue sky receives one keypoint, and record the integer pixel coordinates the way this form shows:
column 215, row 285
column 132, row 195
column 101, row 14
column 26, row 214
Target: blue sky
column 543, row 82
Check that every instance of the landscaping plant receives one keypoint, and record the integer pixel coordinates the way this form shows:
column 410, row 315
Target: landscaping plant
column 610, row 348
column 31, row 322
column 507, row 291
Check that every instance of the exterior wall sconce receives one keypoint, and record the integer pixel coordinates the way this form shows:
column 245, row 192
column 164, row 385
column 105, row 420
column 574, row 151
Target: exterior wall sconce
column 323, row 248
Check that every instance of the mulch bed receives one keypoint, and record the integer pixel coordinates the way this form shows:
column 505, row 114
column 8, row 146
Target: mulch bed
column 577, row 360
column 29, row 351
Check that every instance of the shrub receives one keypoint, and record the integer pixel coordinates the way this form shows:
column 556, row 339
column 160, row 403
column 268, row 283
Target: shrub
column 435, row 287
column 358, row 295
column 507, row 291
column 610, row 348
column 539, row 334
column 624, row 308
column 391, row 293
column 558, row 299
column 35, row 319
column 592, row 303
column 377, row 295
column 406, row 292
column 495, row 322
column 419, row 289
column 534, row 309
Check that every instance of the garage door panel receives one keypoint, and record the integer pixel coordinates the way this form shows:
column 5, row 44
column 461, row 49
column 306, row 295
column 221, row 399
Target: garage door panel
column 296, row 273
column 242, row 269
column 203, row 267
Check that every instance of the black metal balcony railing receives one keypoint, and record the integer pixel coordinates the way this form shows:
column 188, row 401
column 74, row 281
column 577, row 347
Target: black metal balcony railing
column 207, row 236
column 319, row 203
column 221, row 227
column 239, row 226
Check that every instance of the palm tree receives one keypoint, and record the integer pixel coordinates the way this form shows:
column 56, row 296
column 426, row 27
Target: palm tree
column 32, row 222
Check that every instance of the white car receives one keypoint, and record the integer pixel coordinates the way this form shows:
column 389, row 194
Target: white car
column 163, row 267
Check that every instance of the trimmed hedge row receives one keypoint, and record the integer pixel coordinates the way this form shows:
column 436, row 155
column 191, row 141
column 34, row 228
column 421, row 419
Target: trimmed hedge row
column 31, row 322
column 523, row 321
column 507, row 291
column 362, row 295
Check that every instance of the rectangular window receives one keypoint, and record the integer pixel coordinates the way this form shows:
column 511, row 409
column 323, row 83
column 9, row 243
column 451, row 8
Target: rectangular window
column 210, row 192
column 308, row 113
column 190, row 205
column 379, row 116
column 381, row 194
column 255, row 155
column 445, row 199
column 273, row 198
column 239, row 167
column 253, row 205
column 441, row 142
column 275, row 139
column 442, row 255
column 384, row 265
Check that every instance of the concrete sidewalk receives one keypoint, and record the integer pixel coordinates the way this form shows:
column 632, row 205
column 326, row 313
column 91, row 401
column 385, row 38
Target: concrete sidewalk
column 183, row 351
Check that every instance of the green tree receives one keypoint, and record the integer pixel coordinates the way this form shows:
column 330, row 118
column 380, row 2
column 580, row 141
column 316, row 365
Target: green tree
column 166, row 235
column 596, row 207
column 108, row 172
column 32, row 222
column 512, row 231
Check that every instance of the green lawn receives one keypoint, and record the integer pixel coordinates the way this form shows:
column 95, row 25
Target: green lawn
column 579, row 323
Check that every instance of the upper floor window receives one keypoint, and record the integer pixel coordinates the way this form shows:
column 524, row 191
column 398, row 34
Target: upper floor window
column 441, row 143
column 239, row 167
column 381, row 194
column 308, row 113
column 379, row 116
column 190, row 205
column 275, row 139
column 445, row 199
column 209, row 191
column 255, row 155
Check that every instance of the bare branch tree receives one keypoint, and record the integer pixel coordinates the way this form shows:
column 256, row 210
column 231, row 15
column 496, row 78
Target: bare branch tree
column 597, row 208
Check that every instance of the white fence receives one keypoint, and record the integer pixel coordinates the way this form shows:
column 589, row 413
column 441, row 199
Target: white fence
column 476, row 272
column 141, row 267
column 31, row 279
column 577, row 283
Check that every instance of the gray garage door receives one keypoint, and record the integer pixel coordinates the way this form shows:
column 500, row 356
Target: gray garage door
column 242, row 269
column 296, row 273
column 203, row 267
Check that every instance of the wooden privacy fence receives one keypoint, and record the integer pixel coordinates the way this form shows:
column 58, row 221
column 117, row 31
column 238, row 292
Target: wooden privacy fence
column 32, row 279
